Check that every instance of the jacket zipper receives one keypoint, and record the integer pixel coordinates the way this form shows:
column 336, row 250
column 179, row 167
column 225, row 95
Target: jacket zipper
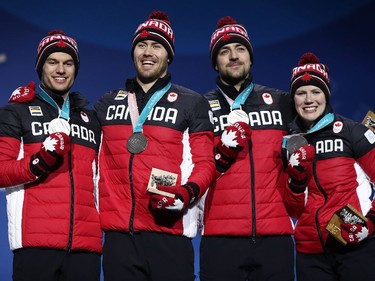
column 71, row 201
column 317, row 224
column 131, row 219
column 252, row 187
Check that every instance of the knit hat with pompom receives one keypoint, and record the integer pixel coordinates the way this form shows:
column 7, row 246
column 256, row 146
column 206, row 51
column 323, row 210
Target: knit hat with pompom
column 56, row 41
column 158, row 28
column 229, row 31
column 310, row 72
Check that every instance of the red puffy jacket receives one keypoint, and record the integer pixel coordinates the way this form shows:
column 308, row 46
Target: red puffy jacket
column 59, row 210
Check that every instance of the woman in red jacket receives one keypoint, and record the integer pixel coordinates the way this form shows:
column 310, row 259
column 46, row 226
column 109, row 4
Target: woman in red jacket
column 334, row 169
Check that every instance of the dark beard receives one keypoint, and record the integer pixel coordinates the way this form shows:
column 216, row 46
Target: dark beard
column 232, row 80
column 147, row 80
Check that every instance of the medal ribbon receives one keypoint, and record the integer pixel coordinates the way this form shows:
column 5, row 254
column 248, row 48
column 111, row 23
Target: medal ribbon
column 325, row 121
column 64, row 111
column 241, row 98
column 138, row 120
column 133, row 108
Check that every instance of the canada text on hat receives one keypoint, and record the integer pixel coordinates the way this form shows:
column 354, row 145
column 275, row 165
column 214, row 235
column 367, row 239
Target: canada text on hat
column 228, row 31
column 157, row 28
column 310, row 72
column 154, row 23
column 311, row 67
column 56, row 41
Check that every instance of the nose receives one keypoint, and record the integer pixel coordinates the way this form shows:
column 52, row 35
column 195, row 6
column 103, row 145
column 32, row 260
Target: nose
column 60, row 68
column 233, row 55
column 147, row 50
column 308, row 98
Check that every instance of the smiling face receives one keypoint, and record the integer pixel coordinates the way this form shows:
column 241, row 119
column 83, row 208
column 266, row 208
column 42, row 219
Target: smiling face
column 58, row 73
column 310, row 103
column 150, row 61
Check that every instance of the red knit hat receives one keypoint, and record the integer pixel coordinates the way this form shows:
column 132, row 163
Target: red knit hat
column 157, row 28
column 56, row 41
column 310, row 72
column 228, row 31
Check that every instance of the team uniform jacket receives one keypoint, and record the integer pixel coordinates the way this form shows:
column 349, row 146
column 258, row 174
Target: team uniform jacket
column 342, row 171
column 58, row 210
column 180, row 140
column 247, row 200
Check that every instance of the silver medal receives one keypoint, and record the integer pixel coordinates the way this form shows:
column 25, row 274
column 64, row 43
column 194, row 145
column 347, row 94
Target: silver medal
column 295, row 142
column 59, row 125
column 238, row 115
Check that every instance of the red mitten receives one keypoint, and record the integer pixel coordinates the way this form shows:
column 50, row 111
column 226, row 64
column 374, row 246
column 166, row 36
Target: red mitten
column 299, row 167
column 234, row 138
column 184, row 195
column 47, row 159
column 355, row 233
column 23, row 94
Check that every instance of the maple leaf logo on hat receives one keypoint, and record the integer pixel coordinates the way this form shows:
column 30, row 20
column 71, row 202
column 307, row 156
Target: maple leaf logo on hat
column 226, row 37
column 61, row 44
column 144, row 34
column 306, row 77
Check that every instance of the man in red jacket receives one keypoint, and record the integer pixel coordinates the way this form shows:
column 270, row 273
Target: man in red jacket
column 155, row 134
column 247, row 230
column 48, row 153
